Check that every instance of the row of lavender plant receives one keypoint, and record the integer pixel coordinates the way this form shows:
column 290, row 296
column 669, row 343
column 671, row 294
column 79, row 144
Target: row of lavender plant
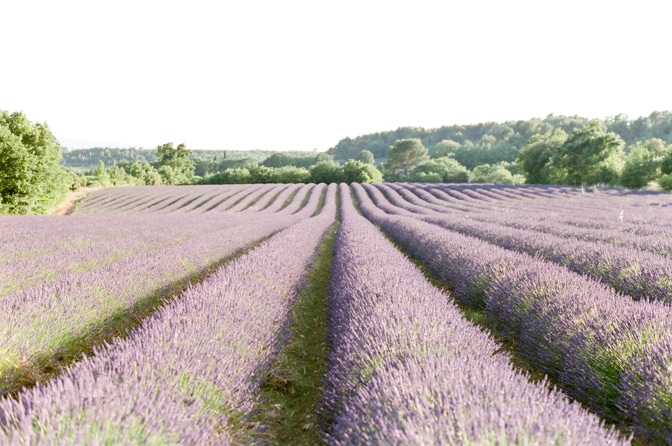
column 95, row 242
column 629, row 211
column 25, row 237
column 190, row 370
column 610, row 352
column 168, row 199
column 575, row 209
column 44, row 249
column 640, row 274
column 43, row 321
column 644, row 236
column 406, row 368
column 158, row 198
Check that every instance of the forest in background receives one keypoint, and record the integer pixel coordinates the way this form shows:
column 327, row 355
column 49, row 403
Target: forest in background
column 557, row 149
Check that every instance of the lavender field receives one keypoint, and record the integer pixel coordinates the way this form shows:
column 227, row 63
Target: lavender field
column 454, row 314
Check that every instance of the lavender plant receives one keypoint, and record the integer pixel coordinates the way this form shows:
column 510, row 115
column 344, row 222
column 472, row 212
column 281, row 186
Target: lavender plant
column 50, row 322
column 594, row 341
column 188, row 372
column 406, row 368
column 642, row 275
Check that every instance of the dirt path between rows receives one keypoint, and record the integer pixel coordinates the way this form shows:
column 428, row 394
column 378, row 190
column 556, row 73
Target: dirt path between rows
column 69, row 206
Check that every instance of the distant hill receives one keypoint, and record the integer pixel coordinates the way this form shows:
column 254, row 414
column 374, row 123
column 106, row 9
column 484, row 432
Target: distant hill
column 506, row 138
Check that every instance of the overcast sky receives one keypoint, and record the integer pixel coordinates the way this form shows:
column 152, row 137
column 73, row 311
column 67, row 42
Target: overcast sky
column 301, row 75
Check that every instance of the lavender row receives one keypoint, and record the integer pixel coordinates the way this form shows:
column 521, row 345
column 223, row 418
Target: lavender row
column 406, row 368
column 606, row 208
column 44, row 320
column 640, row 274
column 96, row 242
column 48, row 249
column 143, row 199
column 606, row 226
column 187, row 370
column 643, row 213
column 181, row 199
column 604, row 349
column 31, row 235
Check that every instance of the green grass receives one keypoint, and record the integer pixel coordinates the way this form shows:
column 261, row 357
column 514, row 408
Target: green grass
column 292, row 392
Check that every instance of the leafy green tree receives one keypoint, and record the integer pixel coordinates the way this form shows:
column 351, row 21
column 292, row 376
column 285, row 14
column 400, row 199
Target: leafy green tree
column 535, row 156
column 656, row 146
column 639, row 167
column 355, row 171
column 232, row 175
column 366, row 156
column 666, row 162
column 145, row 173
column 404, row 156
column 262, row 175
column 101, row 177
column 589, row 156
column 291, row 174
column 496, row 174
column 31, row 179
column 326, row 172
column 447, row 169
column 174, row 164
column 665, row 182
column 120, row 177
column 446, row 147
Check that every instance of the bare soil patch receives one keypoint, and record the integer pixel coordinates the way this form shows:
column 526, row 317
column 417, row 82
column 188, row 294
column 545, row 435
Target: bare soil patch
column 69, row 206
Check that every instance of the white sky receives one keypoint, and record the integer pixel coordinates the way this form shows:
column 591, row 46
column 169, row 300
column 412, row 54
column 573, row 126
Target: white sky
column 301, row 75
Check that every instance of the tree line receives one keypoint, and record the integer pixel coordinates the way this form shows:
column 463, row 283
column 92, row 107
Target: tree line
column 36, row 173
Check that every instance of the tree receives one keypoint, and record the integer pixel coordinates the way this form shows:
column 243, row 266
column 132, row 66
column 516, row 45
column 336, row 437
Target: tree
column 31, row 179
column 326, row 172
column 589, row 156
column 100, row 176
column 291, row 174
column 639, row 167
column 446, row 147
column 535, row 156
column 496, row 174
column 666, row 162
column 444, row 169
column 232, row 175
column 174, row 164
column 145, row 173
column 404, row 156
column 665, row 182
column 366, row 156
column 355, row 171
